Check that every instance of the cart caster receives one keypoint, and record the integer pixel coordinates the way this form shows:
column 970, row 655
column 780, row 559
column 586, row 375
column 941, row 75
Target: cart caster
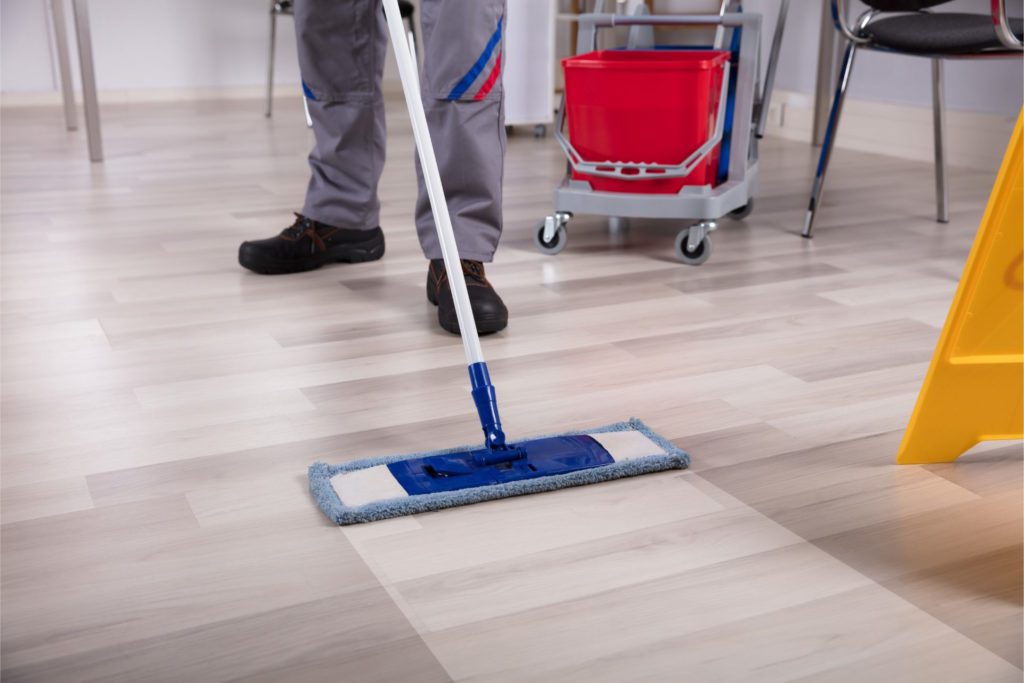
column 744, row 211
column 551, row 234
column 693, row 245
column 540, row 131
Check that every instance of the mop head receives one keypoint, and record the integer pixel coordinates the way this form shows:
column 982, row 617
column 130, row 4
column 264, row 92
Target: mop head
column 392, row 486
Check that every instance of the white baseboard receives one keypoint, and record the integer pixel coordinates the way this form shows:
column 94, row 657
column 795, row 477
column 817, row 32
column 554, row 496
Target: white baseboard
column 974, row 140
column 135, row 95
column 127, row 96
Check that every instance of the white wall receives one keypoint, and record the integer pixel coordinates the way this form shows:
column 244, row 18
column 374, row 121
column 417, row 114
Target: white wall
column 24, row 46
column 150, row 44
column 221, row 44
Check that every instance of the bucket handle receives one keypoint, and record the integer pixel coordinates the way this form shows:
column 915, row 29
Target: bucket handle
column 638, row 170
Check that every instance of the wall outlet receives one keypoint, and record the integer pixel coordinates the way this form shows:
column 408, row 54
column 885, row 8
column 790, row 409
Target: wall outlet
column 777, row 114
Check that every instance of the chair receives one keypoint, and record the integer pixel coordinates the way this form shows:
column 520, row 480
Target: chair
column 907, row 27
column 285, row 7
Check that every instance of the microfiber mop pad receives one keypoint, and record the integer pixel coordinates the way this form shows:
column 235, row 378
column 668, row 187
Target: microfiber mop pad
column 391, row 486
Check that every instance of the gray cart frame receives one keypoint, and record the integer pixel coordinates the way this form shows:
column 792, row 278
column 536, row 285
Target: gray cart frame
column 703, row 205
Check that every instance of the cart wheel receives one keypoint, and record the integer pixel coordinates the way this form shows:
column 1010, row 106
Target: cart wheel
column 742, row 212
column 698, row 255
column 557, row 242
column 540, row 131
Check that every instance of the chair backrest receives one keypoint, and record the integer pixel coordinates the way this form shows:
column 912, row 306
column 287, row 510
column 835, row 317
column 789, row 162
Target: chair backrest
column 902, row 5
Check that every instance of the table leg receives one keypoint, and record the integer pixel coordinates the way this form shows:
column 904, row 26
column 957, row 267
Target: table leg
column 92, row 109
column 67, row 89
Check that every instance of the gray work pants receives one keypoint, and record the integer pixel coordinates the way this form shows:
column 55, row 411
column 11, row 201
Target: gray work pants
column 342, row 47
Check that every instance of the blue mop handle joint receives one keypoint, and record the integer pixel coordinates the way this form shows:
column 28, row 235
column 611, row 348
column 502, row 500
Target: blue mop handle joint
column 486, row 401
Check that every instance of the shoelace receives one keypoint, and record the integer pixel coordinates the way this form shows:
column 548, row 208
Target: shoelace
column 475, row 270
column 470, row 269
column 304, row 227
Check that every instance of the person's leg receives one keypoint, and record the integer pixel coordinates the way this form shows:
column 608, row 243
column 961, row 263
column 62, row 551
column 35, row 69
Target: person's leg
column 341, row 44
column 463, row 97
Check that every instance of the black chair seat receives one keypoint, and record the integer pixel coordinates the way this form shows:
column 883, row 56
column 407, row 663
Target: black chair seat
column 940, row 33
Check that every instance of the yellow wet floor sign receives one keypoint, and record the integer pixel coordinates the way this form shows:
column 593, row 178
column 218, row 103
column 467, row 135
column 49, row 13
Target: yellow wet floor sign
column 974, row 389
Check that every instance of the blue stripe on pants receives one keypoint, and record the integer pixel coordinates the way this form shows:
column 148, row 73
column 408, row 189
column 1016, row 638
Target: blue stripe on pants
column 463, row 85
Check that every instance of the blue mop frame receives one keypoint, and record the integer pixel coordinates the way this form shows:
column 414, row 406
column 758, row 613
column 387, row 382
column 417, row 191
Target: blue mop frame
column 320, row 475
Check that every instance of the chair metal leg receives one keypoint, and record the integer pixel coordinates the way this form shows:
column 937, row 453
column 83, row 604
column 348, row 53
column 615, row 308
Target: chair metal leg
column 939, row 127
column 826, row 74
column 80, row 8
column 60, row 35
column 830, row 136
column 270, row 63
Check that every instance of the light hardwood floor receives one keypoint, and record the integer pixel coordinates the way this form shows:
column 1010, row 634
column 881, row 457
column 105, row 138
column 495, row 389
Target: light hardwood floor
column 161, row 405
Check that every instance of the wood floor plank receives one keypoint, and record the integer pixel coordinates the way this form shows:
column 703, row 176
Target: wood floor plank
column 496, row 533
column 801, row 640
column 159, row 579
column 573, row 637
column 589, row 567
column 360, row 636
column 44, row 498
column 822, row 491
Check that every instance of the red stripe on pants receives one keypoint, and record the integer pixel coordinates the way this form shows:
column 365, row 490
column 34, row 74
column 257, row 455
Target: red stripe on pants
column 491, row 80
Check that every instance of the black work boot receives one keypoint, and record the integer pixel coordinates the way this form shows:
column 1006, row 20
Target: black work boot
column 488, row 309
column 307, row 245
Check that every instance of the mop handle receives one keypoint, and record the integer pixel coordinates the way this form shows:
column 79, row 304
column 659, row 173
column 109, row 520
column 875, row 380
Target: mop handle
column 482, row 390
column 432, row 179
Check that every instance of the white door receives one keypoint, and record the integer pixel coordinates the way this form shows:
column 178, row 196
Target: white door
column 529, row 62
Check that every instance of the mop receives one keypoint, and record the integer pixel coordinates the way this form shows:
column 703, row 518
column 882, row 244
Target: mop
column 379, row 488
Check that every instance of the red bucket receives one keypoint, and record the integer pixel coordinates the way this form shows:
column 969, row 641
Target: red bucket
column 652, row 106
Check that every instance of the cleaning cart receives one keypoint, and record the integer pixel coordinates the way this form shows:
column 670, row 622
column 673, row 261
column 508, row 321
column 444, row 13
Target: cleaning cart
column 663, row 131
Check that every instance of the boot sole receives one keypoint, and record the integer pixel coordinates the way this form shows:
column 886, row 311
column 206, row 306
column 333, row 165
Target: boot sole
column 350, row 253
column 483, row 325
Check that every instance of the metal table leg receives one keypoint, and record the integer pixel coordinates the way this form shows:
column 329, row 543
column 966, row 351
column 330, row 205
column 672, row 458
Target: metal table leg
column 92, row 110
column 67, row 89
column 270, row 61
